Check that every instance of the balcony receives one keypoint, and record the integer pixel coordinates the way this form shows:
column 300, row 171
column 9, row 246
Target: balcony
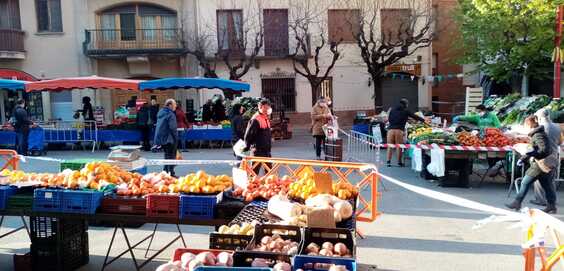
column 12, row 44
column 116, row 43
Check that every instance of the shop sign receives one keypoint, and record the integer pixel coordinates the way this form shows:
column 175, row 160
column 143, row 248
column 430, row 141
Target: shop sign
column 413, row 69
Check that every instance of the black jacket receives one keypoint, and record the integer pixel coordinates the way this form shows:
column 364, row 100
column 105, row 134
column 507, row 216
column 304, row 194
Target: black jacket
column 541, row 150
column 207, row 112
column 22, row 121
column 143, row 116
column 87, row 111
column 258, row 138
column 398, row 117
column 219, row 112
column 238, row 127
column 153, row 111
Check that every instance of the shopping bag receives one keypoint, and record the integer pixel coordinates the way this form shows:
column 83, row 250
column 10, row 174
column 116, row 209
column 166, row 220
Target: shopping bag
column 178, row 155
column 437, row 165
column 239, row 148
column 331, row 129
column 417, row 160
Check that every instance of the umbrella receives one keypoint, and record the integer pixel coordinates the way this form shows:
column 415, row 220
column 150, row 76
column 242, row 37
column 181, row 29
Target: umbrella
column 194, row 82
column 93, row 82
column 12, row 84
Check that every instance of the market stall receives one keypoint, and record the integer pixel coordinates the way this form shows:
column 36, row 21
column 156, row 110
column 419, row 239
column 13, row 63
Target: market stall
column 293, row 197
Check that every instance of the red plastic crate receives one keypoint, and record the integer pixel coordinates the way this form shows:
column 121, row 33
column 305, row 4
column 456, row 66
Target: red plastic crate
column 179, row 251
column 163, row 206
column 124, row 205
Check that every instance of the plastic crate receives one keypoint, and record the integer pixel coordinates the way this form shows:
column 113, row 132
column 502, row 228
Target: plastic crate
column 19, row 202
column 141, row 170
column 179, row 251
column 163, row 206
column 199, row 206
column 22, row 262
column 124, row 205
column 47, row 200
column 311, row 263
column 81, row 202
column 51, row 230
column 321, row 235
column 76, row 164
column 69, row 255
column 5, row 192
column 253, row 211
column 245, row 257
column 229, row 241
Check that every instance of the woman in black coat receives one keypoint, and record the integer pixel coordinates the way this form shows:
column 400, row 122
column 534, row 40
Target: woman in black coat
column 541, row 168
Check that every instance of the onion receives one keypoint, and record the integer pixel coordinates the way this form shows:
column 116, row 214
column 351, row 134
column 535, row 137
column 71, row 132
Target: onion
column 283, row 266
column 313, row 247
column 186, row 258
column 326, row 252
column 225, row 259
column 206, row 258
column 327, row 246
column 168, row 267
column 194, row 264
column 265, row 240
column 341, row 249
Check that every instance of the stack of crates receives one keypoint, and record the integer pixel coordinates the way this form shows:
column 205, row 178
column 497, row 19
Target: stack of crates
column 58, row 244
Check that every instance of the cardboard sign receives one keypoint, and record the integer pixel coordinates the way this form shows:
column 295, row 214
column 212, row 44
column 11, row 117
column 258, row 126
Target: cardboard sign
column 321, row 218
column 323, row 182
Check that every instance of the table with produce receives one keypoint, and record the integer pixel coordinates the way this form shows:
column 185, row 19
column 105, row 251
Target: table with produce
column 279, row 223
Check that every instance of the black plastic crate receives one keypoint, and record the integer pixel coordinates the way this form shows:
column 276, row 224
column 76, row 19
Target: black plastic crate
column 254, row 211
column 322, row 235
column 244, row 258
column 51, row 230
column 20, row 202
column 229, row 241
column 68, row 255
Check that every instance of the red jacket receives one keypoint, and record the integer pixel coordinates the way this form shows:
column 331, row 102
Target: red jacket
column 181, row 121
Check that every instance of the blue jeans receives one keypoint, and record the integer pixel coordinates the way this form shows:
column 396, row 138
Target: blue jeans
column 545, row 180
column 21, row 142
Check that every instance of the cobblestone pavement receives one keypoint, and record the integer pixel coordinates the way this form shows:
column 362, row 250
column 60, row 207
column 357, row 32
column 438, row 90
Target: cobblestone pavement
column 413, row 232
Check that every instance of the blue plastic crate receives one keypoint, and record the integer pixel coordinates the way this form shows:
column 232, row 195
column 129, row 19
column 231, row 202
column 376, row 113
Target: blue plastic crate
column 47, row 200
column 5, row 193
column 141, row 170
column 307, row 263
column 198, row 206
column 81, row 202
column 219, row 268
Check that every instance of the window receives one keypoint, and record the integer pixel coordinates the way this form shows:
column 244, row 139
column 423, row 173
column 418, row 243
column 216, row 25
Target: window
column 343, row 24
column 49, row 16
column 276, row 32
column 127, row 26
column 9, row 14
column 396, row 25
column 281, row 92
column 229, row 29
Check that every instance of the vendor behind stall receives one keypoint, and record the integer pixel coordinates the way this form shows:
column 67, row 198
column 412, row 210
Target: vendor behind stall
column 484, row 118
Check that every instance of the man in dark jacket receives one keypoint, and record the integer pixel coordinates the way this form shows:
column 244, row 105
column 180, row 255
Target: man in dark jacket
column 166, row 134
column 21, row 126
column 397, row 119
column 153, row 111
column 258, row 137
column 207, row 111
column 237, row 123
column 219, row 111
column 143, row 125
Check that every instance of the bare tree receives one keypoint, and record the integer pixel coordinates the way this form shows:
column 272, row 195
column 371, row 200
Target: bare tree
column 307, row 62
column 388, row 31
column 198, row 45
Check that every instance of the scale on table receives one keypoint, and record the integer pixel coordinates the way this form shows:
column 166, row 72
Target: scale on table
column 127, row 157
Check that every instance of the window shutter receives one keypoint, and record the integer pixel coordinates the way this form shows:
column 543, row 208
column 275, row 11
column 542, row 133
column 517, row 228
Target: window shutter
column 42, row 10
column 55, row 16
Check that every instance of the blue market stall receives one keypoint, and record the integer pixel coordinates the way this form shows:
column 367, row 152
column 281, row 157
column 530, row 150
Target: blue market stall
column 223, row 134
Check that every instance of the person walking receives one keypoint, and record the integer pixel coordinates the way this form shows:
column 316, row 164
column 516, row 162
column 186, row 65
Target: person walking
column 397, row 118
column 143, row 126
column 166, row 134
column 258, row 137
column 543, row 162
column 320, row 115
column 237, row 122
column 553, row 132
column 21, row 126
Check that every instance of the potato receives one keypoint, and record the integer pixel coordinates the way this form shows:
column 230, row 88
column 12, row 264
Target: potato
column 313, row 247
column 282, row 267
column 326, row 252
column 327, row 246
column 265, row 240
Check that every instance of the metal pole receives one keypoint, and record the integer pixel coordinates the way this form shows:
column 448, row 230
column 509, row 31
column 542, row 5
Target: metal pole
column 557, row 42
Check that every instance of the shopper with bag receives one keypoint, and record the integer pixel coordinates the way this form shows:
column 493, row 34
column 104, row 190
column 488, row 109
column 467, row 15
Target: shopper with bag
column 166, row 134
column 320, row 116
column 543, row 162
column 258, row 137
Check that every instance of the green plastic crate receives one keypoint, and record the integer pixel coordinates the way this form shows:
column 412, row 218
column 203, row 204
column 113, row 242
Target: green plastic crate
column 20, row 202
column 76, row 164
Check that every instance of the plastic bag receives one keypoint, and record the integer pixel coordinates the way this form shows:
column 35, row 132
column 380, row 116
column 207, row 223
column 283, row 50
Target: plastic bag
column 178, row 155
column 417, row 160
column 239, row 148
column 331, row 129
column 437, row 165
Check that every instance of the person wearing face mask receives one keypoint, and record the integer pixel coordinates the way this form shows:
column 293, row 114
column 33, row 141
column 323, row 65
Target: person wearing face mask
column 553, row 132
column 484, row 118
column 258, row 137
column 543, row 162
column 320, row 115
